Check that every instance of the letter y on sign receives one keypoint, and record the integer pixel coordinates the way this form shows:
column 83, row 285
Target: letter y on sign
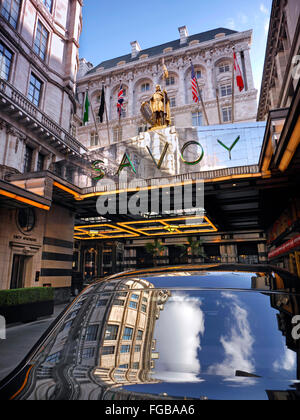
column 229, row 149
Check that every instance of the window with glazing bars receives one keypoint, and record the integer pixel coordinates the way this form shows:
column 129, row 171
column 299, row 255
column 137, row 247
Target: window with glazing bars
column 226, row 90
column 107, row 350
column 227, row 114
column 128, row 333
column 111, row 332
column 35, row 90
column 91, row 334
column 28, row 159
column 41, row 41
column 5, row 61
column 10, row 10
column 48, row 4
column 125, row 349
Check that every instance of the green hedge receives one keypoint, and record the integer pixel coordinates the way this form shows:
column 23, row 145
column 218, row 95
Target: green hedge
column 20, row 296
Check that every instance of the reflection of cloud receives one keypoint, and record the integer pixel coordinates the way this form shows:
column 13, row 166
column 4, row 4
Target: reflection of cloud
column 237, row 344
column 287, row 362
column 178, row 341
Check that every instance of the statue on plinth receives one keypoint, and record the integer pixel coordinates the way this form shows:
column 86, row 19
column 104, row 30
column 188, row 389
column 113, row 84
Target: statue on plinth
column 157, row 111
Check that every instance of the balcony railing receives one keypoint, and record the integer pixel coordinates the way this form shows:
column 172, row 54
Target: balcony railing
column 17, row 99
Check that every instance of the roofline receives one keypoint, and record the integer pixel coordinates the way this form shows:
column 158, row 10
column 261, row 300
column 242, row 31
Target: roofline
column 94, row 73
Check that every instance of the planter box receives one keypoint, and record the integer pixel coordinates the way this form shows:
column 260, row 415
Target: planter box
column 27, row 312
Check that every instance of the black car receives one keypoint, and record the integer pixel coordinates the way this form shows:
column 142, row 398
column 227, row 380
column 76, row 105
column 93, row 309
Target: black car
column 189, row 332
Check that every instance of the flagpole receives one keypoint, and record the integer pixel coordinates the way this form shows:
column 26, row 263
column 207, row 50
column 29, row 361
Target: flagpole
column 201, row 99
column 94, row 118
column 106, row 116
column 164, row 88
column 120, row 113
column 232, row 110
column 218, row 105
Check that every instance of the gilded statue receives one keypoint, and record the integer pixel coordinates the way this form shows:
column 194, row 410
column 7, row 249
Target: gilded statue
column 157, row 110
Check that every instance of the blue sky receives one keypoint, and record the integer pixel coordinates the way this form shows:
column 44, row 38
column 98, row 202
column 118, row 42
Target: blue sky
column 110, row 26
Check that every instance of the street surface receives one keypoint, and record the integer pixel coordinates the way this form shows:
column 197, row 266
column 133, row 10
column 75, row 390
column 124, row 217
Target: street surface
column 20, row 339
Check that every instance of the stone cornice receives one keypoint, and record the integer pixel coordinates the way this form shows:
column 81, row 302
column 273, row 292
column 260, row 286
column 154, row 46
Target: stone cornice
column 206, row 50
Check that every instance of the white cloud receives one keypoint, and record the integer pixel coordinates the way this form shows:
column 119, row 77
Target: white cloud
column 266, row 27
column 231, row 23
column 263, row 9
column 243, row 18
column 287, row 362
column 237, row 344
column 178, row 334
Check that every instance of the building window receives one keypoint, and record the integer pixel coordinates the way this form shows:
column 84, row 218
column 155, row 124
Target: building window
column 170, row 81
column 125, row 349
column 119, row 302
column 107, row 350
column 145, row 87
column 128, row 333
column 88, row 353
column 10, row 10
column 91, row 334
column 40, row 162
column 124, row 366
column 144, row 308
column 137, row 349
column 111, row 332
column 41, row 41
column 5, row 61
column 197, row 119
column 139, row 336
column 224, row 68
column 199, row 74
column 172, row 102
column 54, row 358
column 135, row 297
column 35, row 90
column 48, row 4
column 69, row 174
column 94, row 139
column 26, row 220
column 28, row 159
column 227, row 114
column 101, row 303
column 226, row 90
column 133, row 305
column 118, row 134
column 136, row 366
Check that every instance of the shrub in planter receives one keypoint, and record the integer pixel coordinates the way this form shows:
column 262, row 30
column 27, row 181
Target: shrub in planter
column 23, row 305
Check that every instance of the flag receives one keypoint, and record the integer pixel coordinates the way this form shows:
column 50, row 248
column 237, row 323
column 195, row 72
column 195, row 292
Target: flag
column 86, row 109
column 166, row 73
column 239, row 77
column 194, row 85
column 120, row 103
column 102, row 106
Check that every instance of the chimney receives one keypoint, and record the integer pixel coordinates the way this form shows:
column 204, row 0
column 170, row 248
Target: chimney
column 183, row 34
column 135, row 48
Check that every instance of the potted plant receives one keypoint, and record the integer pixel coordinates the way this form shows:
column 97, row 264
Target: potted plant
column 156, row 249
column 26, row 305
column 193, row 249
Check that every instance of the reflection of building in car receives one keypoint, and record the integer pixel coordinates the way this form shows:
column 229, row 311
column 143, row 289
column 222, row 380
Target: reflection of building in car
column 116, row 330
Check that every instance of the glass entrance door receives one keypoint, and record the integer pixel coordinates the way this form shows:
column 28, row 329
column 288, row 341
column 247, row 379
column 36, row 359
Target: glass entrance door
column 18, row 270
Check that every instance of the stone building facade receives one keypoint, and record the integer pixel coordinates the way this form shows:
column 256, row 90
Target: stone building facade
column 38, row 67
column 139, row 72
column 281, row 73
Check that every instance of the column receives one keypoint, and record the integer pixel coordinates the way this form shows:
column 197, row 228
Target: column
column 209, row 75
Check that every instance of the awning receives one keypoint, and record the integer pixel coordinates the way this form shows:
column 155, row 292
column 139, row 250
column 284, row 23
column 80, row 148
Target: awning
column 285, row 248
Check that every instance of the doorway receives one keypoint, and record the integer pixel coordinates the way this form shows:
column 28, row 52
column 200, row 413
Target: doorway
column 18, row 272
